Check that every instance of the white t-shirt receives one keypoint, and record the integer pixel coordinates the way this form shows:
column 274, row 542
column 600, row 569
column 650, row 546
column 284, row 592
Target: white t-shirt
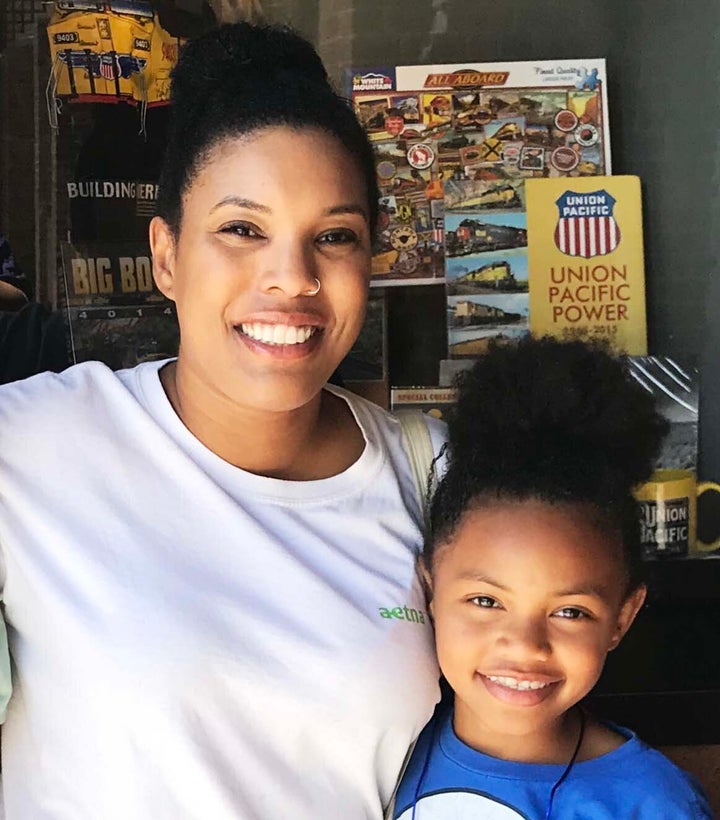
column 190, row 640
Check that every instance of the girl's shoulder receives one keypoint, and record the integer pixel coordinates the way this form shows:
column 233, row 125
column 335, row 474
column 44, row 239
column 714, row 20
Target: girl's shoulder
column 628, row 771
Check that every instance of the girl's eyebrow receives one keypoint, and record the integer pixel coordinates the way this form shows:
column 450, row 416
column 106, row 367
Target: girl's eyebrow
column 592, row 590
column 482, row 579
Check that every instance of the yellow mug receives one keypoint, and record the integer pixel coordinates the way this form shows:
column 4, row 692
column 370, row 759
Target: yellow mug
column 668, row 513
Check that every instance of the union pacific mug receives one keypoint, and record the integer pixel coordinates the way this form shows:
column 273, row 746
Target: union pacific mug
column 668, row 513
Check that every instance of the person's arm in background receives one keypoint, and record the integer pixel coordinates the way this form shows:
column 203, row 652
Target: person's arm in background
column 32, row 338
column 11, row 298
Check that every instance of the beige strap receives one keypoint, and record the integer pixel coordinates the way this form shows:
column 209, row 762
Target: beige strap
column 419, row 449
column 390, row 810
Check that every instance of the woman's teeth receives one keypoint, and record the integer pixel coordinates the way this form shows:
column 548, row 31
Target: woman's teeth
column 520, row 685
column 277, row 334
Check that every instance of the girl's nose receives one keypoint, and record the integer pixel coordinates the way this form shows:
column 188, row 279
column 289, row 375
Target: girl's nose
column 527, row 638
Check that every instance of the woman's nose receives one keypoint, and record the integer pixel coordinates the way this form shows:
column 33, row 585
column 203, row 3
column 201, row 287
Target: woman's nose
column 290, row 269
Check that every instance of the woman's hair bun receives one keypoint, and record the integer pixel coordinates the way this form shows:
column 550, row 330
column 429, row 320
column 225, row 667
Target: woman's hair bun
column 239, row 53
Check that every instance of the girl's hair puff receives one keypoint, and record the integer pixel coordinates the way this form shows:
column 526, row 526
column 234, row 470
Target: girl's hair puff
column 240, row 78
column 558, row 422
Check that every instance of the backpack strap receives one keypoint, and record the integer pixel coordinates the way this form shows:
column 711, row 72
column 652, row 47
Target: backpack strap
column 420, row 453
column 390, row 810
column 419, row 449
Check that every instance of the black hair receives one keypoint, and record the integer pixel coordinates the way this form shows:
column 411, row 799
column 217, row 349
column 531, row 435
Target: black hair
column 558, row 422
column 239, row 78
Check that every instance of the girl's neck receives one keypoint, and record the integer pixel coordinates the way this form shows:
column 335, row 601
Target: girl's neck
column 553, row 743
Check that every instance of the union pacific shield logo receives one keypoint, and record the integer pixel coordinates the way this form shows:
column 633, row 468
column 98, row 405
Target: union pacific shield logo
column 586, row 225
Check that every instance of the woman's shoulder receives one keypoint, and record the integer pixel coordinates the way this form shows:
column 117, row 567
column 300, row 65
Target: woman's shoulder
column 386, row 422
column 51, row 398
column 48, row 382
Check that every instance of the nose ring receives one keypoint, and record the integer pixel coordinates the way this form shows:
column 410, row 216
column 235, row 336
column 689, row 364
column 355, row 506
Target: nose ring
column 314, row 292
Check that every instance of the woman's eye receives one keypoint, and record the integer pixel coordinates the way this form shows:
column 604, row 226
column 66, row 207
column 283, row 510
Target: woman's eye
column 338, row 237
column 242, row 229
column 572, row 613
column 485, row 602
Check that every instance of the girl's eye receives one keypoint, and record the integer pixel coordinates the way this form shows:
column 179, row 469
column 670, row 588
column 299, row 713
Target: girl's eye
column 572, row 613
column 485, row 602
column 341, row 236
column 242, row 229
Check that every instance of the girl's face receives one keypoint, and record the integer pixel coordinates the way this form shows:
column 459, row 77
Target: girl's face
column 528, row 599
column 267, row 215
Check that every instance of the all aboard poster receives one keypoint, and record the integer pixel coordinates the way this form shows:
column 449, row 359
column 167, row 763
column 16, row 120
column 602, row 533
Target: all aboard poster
column 481, row 129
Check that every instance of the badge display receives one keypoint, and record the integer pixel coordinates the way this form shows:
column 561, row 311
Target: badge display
column 475, row 132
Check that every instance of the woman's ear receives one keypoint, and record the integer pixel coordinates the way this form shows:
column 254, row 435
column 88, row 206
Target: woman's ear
column 162, row 248
column 628, row 611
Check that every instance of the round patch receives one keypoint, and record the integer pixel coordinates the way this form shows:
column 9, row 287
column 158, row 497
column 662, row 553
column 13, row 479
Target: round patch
column 386, row 169
column 566, row 120
column 404, row 238
column 421, row 155
column 407, row 262
column 586, row 135
column 564, row 158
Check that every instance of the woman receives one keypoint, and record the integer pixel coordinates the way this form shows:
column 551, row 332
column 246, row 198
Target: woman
column 208, row 574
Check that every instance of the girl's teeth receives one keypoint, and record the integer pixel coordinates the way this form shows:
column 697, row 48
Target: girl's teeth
column 520, row 685
column 277, row 334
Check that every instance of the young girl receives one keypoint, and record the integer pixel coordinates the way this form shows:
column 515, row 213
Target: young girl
column 532, row 562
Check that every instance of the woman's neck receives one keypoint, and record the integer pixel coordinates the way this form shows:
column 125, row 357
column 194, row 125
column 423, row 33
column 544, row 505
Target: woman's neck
column 274, row 444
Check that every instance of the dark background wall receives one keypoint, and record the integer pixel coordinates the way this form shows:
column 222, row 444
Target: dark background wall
column 663, row 67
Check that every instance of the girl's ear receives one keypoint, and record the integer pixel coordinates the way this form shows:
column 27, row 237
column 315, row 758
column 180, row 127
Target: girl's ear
column 629, row 610
column 427, row 584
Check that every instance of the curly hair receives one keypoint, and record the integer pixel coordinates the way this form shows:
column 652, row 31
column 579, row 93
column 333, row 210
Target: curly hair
column 238, row 79
column 558, row 422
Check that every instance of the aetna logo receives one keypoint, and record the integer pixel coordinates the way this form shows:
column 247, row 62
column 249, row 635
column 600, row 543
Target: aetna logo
column 403, row 613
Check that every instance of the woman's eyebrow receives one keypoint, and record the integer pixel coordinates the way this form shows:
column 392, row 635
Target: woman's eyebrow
column 350, row 208
column 241, row 202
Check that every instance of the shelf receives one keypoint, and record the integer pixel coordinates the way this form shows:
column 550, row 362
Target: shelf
column 694, row 579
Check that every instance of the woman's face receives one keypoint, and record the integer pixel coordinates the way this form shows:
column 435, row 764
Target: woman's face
column 268, row 216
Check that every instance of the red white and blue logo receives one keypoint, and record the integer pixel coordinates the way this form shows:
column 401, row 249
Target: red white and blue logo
column 586, row 225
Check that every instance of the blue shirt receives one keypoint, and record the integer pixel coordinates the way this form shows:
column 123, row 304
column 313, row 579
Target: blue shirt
column 634, row 782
